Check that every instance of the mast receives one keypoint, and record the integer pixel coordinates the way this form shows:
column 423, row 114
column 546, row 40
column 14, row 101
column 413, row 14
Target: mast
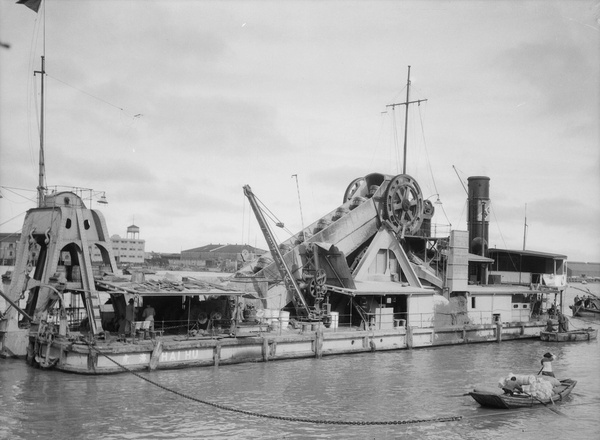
column 42, row 166
column 525, row 228
column 406, row 116
column 406, row 121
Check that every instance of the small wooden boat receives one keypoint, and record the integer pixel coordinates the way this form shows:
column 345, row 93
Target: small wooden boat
column 591, row 311
column 492, row 399
column 572, row 335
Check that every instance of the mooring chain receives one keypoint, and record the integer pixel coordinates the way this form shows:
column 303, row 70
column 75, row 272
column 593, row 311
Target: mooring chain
column 285, row 418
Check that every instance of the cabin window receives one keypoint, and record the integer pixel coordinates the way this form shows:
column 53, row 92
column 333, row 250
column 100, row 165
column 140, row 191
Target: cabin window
column 515, row 306
column 68, row 224
column 86, row 224
column 473, row 302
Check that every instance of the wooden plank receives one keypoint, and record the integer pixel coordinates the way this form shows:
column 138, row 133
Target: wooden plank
column 155, row 357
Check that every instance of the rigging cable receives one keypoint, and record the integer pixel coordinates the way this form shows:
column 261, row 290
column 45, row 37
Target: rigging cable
column 395, row 138
column 514, row 264
column 272, row 216
column 379, row 138
column 429, row 164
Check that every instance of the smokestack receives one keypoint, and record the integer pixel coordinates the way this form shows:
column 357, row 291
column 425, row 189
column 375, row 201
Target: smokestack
column 479, row 211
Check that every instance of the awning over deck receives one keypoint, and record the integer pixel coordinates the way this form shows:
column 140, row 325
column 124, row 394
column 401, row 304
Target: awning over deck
column 479, row 258
column 189, row 287
column 377, row 288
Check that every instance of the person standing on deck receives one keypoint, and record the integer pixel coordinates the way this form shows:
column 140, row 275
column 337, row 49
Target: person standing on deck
column 148, row 315
column 547, row 364
column 563, row 323
column 129, row 318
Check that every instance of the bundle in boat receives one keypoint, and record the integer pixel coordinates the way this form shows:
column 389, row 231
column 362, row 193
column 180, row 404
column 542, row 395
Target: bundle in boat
column 540, row 387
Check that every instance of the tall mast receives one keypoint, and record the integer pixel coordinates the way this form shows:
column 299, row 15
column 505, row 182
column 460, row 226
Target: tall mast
column 525, row 228
column 406, row 121
column 406, row 116
column 42, row 167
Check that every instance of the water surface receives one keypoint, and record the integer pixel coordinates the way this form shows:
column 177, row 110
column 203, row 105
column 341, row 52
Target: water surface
column 386, row 386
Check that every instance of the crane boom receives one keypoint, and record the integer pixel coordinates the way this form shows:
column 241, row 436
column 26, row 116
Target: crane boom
column 290, row 282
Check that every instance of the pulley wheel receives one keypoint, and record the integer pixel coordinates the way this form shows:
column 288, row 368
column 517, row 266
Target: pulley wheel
column 428, row 208
column 404, row 204
column 314, row 289
column 320, row 277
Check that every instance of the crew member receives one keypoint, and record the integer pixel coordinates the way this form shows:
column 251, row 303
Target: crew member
column 130, row 318
column 563, row 323
column 547, row 364
column 148, row 315
column 512, row 386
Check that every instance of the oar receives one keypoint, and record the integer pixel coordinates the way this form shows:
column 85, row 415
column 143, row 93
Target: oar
column 459, row 395
column 546, row 405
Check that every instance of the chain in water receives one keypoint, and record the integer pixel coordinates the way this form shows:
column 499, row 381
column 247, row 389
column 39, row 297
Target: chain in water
column 286, row 418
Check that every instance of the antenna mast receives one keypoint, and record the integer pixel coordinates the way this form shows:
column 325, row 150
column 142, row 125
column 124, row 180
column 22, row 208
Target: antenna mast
column 42, row 166
column 406, row 116
column 525, row 228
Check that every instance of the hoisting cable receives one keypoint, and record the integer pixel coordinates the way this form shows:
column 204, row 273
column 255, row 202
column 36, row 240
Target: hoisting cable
column 271, row 216
column 269, row 416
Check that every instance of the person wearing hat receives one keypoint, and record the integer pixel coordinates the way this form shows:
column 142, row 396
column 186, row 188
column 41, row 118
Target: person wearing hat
column 547, row 364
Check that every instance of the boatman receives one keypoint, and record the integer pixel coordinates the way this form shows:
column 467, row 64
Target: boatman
column 511, row 387
column 563, row 323
column 547, row 364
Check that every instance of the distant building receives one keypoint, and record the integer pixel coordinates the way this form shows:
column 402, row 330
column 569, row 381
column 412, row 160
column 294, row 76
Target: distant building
column 129, row 250
column 223, row 257
column 579, row 271
column 8, row 248
column 162, row 260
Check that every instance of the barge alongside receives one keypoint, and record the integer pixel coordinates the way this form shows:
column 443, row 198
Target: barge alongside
column 368, row 276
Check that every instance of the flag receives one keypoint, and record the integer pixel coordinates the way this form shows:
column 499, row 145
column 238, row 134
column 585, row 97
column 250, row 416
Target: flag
column 34, row 5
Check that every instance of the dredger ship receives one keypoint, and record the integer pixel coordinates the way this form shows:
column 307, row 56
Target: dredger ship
column 367, row 276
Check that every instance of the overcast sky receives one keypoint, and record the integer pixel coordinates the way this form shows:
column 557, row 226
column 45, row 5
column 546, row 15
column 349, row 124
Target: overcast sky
column 170, row 107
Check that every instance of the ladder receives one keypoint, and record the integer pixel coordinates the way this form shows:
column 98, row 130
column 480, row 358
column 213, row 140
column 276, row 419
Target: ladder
column 92, row 299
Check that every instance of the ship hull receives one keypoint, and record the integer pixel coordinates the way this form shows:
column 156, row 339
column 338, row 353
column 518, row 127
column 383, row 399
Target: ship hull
column 173, row 352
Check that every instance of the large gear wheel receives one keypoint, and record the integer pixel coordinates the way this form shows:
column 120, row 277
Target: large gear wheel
column 316, row 283
column 356, row 188
column 404, row 205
